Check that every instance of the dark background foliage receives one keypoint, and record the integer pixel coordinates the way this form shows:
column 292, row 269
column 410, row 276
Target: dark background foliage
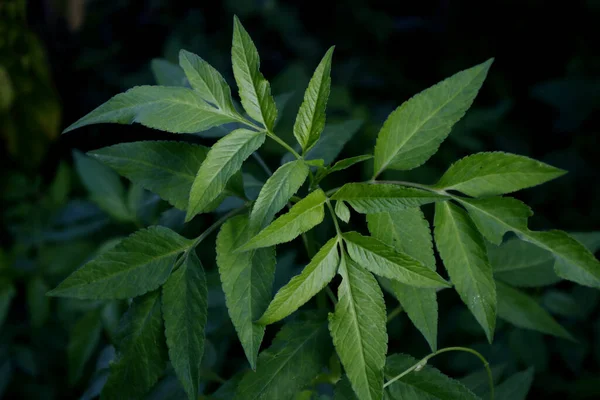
column 540, row 99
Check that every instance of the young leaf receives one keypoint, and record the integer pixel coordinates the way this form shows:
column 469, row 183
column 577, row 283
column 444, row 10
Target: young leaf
column 298, row 353
column 358, row 329
column 515, row 387
column 369, row 198
column 301, row 288
column 142, row 354
column 521, row 310
column 428, row 383
column 414, row 131
column 184, row 307
column 247, row 280
column 276, row 192
column 207, row 81
column 488, row 174
column 408, row 231
column 83, row 339
column 255, row 90
column 310, row 120
column 342, row 211
column 169, row 109
column 223, row 160
column 303, row 216
column 384, row 260
column 138, row 264
column 464, row 254
column 496, row 215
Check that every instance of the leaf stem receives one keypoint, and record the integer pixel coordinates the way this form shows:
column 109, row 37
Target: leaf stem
column 410, row 184
column 284, row 144
column 334, row 217
column 419, row 365
column 394, row 313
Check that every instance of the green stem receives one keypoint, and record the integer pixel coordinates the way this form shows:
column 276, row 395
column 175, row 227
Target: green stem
column 410, row 184
column 284, row 144
column 334, row 217
column 418, row 366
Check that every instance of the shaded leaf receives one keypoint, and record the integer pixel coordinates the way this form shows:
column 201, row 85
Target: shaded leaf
column 83, row 339
column 515, row 387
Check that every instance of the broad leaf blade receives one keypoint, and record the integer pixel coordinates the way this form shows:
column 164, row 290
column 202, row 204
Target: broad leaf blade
column 428, row 383
column 170, row 109
column 255, row 91
column 223, row 160
column 369, row 198
column 310, row 120
column 247, row 280
column 384, row 260
column 83, row 339
column 301, row 288
column 523, row 311
column 488, row 174
column 303, row 216
column 358, row 329
column 464, row 254
column 185, row 309
column 276, row 192
column 142, row 355
column 414, row 131
column 408, row 232
column 138, row 264
column 298, row 353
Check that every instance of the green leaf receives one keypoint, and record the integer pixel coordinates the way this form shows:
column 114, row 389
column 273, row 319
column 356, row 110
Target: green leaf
column 414, row 131
column 138, row 264
column 408, row 232
column 223, row 160
column 358, row 329
column 142, row 354
column 342, row 211
column 38, row 303
column 348, row 162
column 185, row 309
column 464, row 254
column 167, row 74
column 7, row 293
column 303, row 216
column 370, row 198
column 247, row 280
column 343, row 390
column 104, row 186
column 83, row 340
column 310, row 120
column 301, row 288
column 496, row 215
column 169, row 109
column 488, row 174
column 521, row 310
column 207, row 81
column 515, row 387
column 255, row 91
column 298, row 353
column 428, row 383
column 276, row 192
column 384, row 260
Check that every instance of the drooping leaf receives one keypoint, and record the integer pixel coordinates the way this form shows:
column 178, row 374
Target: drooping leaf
column 276, row 192
column 515, row 387
column 184, row 308
column 408, row 231
column 169, row 109
column 464, row 254
column 255, row 91
column 223, row 160
column 301, row 288
column 167, row 74
column 414, row 131
column 383, row 260
column 303, row 216
column 523, row 311
column 428, row 383
column 488, row 174
column 342, row 211
column 496, row 215
column 298, row 353
column 207, row 81
column 310, row 120
column 247, row 280
column 369, row 198
column 83, row 339
column 358, row 329
column 138, row 264
column 142, row 354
